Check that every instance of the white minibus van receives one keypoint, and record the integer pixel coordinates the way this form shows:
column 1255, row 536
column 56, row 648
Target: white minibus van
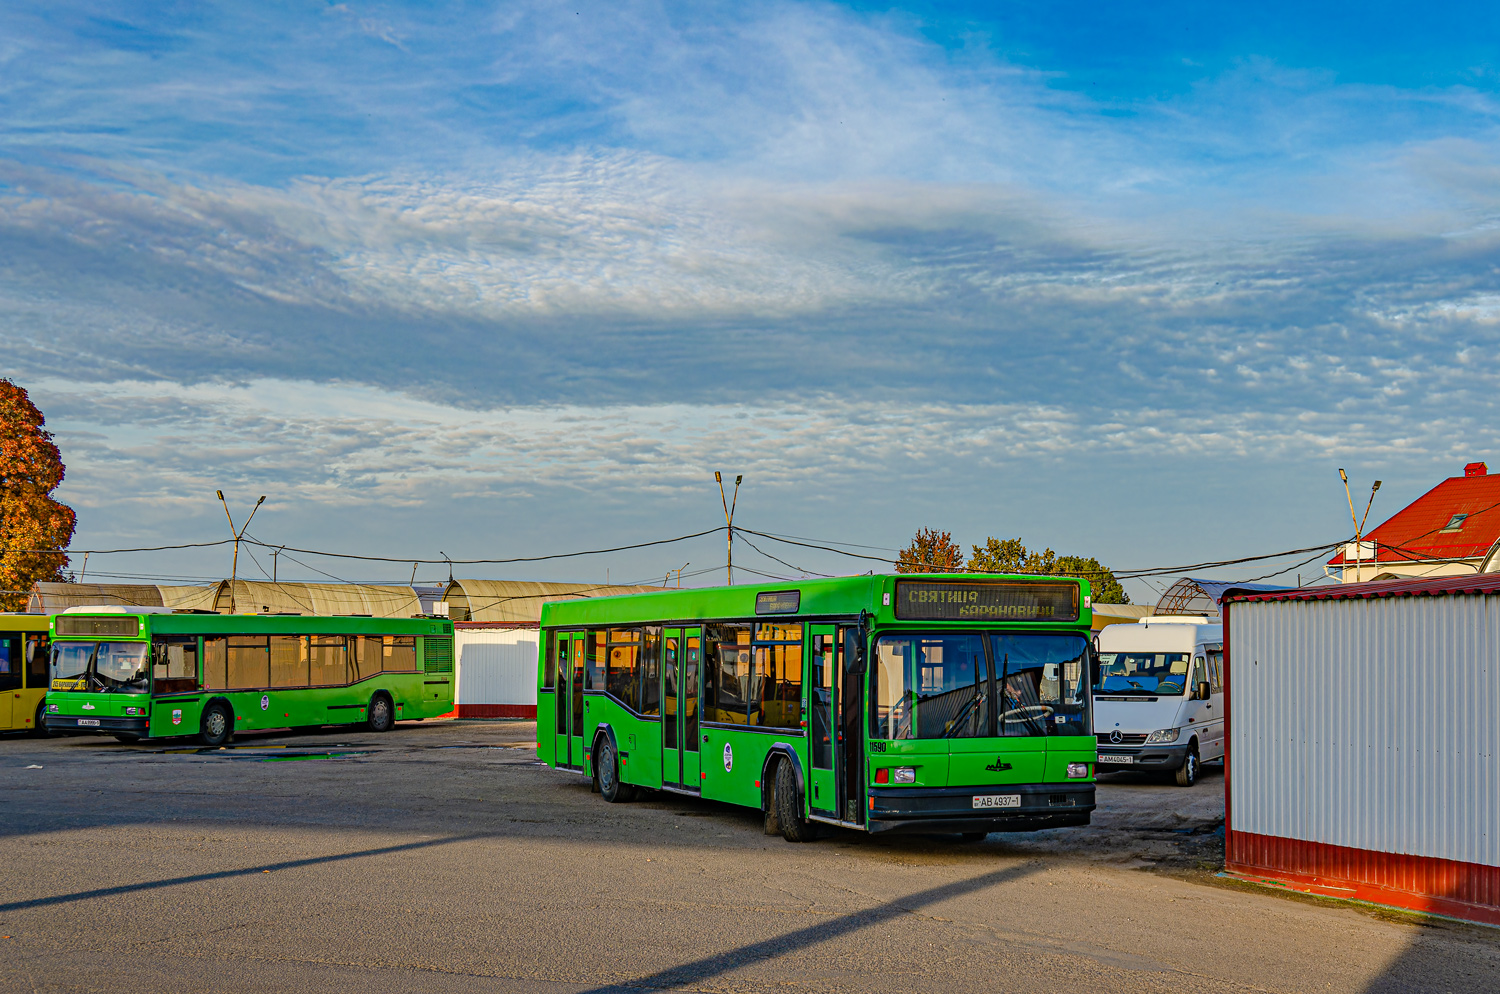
column 1159, row 696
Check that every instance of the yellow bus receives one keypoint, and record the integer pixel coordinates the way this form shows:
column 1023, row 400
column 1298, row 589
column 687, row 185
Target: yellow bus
column 23, row 671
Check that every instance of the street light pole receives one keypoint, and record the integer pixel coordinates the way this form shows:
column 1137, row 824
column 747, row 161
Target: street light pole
column 234, row 569
column 729, row 506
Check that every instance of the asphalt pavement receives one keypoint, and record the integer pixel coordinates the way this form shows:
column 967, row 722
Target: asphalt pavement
column 441, row 857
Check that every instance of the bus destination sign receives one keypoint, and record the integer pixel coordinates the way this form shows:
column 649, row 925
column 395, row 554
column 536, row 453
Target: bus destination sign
column 778, row 602
column 925, row 600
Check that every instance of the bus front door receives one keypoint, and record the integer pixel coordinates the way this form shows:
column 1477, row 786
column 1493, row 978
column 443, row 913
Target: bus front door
column 822, row 724
column 849, row 751
column 681, row 650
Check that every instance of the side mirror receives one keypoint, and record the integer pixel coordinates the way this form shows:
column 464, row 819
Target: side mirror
column 1202, row 692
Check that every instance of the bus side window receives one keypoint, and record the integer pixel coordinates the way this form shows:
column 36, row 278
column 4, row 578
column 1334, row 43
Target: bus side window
column 36, row 661
column 11, row 664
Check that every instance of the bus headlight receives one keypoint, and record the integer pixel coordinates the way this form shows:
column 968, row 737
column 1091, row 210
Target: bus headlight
column 904, row 774
column 1078, row 771
column 1164, row 735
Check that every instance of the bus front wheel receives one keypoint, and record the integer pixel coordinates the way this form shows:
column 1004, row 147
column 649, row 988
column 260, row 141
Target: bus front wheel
column 40, row 729
column 217, row 725
column 794, row 826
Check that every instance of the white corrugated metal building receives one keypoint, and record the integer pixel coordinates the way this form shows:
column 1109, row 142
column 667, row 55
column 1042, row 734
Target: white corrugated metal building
column 495, row 639
column 1364, row 729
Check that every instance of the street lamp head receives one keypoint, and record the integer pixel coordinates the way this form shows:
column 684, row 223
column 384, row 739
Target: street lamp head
column 219, row 494
column 717, row 477
column 1343, row 476
column 737, row 480
column 1375, row 487
column 261, row 501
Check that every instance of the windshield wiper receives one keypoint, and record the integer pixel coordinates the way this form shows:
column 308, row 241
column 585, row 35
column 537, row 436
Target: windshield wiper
column 957, row 722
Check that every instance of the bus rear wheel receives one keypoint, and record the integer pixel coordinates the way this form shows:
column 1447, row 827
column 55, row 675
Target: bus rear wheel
column 607, row 762
column 794, row 827
column 129, row 738
column 216, row 725
column 381, row 716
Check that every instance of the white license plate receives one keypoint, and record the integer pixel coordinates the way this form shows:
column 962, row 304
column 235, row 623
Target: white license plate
column 1123, row 760
column 88, row 721
column 997, row 801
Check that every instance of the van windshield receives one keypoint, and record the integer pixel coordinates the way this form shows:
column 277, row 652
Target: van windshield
column 1161, row 674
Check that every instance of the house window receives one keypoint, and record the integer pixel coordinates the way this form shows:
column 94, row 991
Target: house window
column 1455, row 523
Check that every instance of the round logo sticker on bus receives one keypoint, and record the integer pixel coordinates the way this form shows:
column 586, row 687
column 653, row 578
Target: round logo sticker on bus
column 265, row 701
column 728, row 757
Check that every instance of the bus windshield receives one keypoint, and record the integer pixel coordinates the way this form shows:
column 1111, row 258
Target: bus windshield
column 107, row 665
column 1163, row 674
column 938, row 685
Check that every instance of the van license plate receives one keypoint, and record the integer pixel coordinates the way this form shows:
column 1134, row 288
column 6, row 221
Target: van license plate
column 88, row 721
column 1125, row 760
column 997, row 801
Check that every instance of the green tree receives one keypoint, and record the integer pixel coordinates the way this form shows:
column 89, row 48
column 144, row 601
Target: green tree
column 931, row 551
column 34, row 528
column 1010, row 555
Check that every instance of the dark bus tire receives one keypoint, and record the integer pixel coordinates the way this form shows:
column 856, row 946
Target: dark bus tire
column 217, row 725
column 607, row 762
column 794, row 827
column 129, row 738
column 382, row 714
column 40, row 729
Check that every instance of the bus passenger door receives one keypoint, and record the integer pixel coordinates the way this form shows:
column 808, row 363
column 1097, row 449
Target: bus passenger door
column 820, row 725
column 561, row 698
column 671, row 730
column 849, row 750
column 691, row 654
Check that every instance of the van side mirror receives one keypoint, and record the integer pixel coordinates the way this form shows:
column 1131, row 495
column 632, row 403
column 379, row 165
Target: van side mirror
column 1202, row 692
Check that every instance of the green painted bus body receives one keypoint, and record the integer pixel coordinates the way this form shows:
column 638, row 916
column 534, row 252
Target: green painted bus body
column 423, row 691
column 733, row 759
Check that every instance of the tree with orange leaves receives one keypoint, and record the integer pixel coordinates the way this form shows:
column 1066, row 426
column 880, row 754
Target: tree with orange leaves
column 34, row 528
column 931, row 551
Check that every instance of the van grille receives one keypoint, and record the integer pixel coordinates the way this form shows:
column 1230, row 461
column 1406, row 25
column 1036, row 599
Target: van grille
column 1126, row 739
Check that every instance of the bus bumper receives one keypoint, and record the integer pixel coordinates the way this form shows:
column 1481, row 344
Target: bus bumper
column 952, row 809
column 113, row 726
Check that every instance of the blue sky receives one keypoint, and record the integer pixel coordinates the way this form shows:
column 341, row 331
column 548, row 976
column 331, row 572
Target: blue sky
column 516, row 278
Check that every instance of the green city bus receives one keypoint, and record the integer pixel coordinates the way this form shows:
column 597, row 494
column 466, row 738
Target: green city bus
column 907, row 703
column 136, row 674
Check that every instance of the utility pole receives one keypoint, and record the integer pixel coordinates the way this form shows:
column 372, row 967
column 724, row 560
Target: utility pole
column 274, row 554
column 234, row 569
column 729, row 506
column 1358, row 522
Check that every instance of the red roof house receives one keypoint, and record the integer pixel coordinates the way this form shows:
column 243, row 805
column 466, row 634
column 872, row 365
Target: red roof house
column 1451, row 530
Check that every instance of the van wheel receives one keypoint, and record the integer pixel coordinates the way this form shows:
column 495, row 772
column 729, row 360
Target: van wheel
column 794, row 827
column 607, row 763
column 1187, row 773
column 216, row 726
column 381, row 716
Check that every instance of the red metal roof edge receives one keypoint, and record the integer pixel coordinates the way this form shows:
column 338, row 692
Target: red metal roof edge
column 1429, row 586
